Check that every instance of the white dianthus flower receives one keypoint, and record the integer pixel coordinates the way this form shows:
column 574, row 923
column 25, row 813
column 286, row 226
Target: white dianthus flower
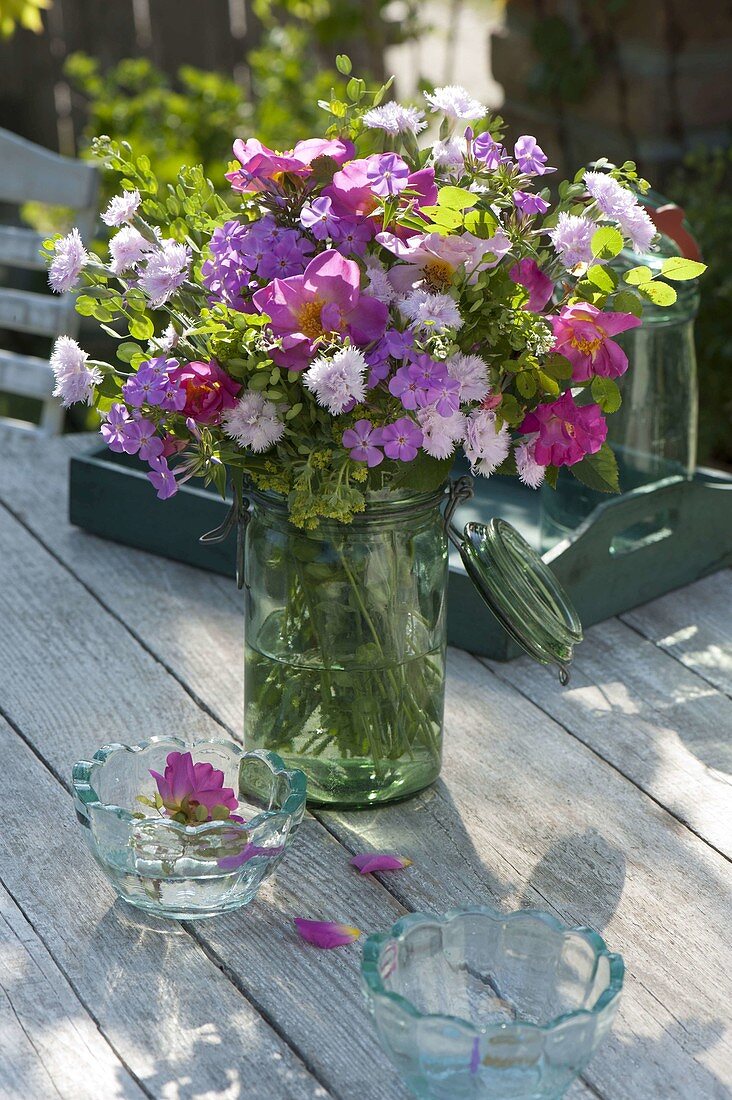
column 166, row 269
column 253, row 422
column 395, row 119
column 450, row 153
column 431, row 312
column 127, row 248
column 379, row 285
column 472, row 374
column 69, row 260
column 529, row 470
column 338, row 381
column 440, row 433
column 485, row 446
column 455, row 102
column 75, row 381
column 636, row 224
column 121, row 208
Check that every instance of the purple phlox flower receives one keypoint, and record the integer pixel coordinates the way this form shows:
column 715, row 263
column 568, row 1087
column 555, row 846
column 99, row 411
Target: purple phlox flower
column 405, row 385
column 352, row 236
column 530, row 157
column 75, row 380
column 115, row 426
column 485, row 445
column 141, row 438
column 400, row 345
column 440, row 433
column 455, row 102
column 431, row 312
column 528, row 274
column 69, row 260
column 339, row 381
column 162, row 479
column 254, row 422
column 185, row 786
column 489, row 151
column 377, row 359
column 165, row 271
column 362, row 440
column 148, row 386
column 471, row 372
column 395, row 119
column 572, row 239
column 318, row 217
column 387, row 174
column 431, row 377
column 287, row 257
column 122, row 208
column 528, row 203
column 444, row 396
column 401, row 440
column 530, row 472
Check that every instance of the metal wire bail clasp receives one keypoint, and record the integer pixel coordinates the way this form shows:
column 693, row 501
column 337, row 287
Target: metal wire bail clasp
column 459, row 491
column 237, row 517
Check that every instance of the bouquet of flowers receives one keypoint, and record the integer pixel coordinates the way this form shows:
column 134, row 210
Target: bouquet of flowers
column 362, row 308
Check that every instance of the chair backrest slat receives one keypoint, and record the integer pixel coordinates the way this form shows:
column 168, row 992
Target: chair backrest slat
column 31, row 173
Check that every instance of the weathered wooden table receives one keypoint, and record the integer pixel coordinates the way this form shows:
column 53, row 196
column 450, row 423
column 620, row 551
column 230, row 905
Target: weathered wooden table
column 607, row 803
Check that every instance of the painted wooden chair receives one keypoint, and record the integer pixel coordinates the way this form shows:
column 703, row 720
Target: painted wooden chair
column 30, row 173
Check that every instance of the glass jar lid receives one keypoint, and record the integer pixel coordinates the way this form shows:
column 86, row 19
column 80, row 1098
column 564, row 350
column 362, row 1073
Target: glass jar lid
column 520, row 589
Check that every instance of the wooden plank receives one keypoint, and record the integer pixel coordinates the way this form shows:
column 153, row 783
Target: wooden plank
column 30, row 173
column 694, row 626
column 49, row 1044
column 27, row 375
column 21, row 247
column 657, row 722
column 526, row 815
column 26, row 311
column 168, row 1011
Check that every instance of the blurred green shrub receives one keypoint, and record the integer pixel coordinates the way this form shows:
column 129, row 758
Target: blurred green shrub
column 703, row 187
column 21, row 13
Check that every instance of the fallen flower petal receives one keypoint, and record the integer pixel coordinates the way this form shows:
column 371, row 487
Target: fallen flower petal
column 369, row 862
column 326, row 933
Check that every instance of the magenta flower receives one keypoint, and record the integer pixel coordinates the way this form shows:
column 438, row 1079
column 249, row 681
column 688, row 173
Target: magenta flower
column 351, row 193
column 363, row 440
column 325, row 933
column 528, row 203
column 162, row 479
column 527, row 273
column 387, row 174
column 209, row 390
column 566, row 432
column 401, row 440
column 260, row 165
column 327, row 298
column 369, row 862
column 187, row 789
column 582, row 335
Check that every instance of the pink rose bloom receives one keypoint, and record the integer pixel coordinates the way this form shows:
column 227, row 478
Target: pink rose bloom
column 565, row 432
column 209, row 390
column 432, row 259
column 184, row 786
column 528, row 274
column 351, row 190
column 260, row 164
column 325, row 298
column 581, row 335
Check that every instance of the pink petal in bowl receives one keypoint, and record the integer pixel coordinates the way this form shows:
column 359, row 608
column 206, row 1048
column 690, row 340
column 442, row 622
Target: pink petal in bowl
column 326, row 933
column 369, row 862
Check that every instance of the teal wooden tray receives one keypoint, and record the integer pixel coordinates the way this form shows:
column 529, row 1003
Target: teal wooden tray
column 631, row 549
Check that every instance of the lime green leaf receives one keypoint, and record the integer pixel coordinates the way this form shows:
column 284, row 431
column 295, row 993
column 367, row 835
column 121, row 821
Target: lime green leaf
column 343, row 64
column 598, row 471
column 510, row 410
column 456, row 198
column 110, row 386
column 606, row 393
column 557, row 366
column 626, row 301
column 638, row 275
column 661, row 294
column 526, row 383
column 85, row 305
column 679, row 269
column 550, row 476
column 142, row 328
column 449, row 219
column 548, row 384
column 126, row 351
column 602, row 277
column 606, row 243
column 481, row 223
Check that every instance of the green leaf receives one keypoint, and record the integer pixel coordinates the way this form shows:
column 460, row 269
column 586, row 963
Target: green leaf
column 481, row 223
column 638, row 275
column 423, row 474
column 661, row 294
column 526, row 383
column 510, row 410
column 625, row 301
column 126, row 351
column 606, row 393
column 598, row 471
column 606, row 243
column 602, row 277
column 679, row 269
column 142, row 328
column 457, row 198
column 110, row 386
column 548, row 384
column 443, row 216
column 343, row 64
column 551, row 475
column 557, row 366
column 85, row 305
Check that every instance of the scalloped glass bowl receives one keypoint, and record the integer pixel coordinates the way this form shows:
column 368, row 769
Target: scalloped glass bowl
column 186, row 871
column 480, row 1005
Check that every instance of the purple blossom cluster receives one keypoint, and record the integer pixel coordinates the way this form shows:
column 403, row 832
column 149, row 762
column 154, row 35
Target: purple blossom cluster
column 245, row 255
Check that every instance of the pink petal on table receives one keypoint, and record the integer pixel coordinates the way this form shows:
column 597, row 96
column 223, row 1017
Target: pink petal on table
column 369, row 862
column 326, row 933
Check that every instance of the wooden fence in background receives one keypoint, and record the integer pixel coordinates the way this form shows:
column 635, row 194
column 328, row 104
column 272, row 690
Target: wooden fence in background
column 35, row 99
